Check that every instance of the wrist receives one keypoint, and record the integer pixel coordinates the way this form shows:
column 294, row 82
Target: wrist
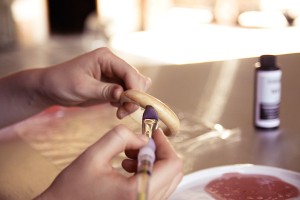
column 33, row 88
column 21, row 96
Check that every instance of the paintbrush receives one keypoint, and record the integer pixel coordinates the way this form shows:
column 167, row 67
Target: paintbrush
column 150, row 121
column 146, row 156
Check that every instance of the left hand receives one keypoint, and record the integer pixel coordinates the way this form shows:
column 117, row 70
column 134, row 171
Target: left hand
column 95, row 77
column 92, row 78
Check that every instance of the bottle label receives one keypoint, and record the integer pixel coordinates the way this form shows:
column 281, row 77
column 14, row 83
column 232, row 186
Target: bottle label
column 268, row 97
column 269, row 111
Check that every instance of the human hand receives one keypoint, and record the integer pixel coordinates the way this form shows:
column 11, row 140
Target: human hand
column 167, row 170
column 96, row 77
column 91, row 175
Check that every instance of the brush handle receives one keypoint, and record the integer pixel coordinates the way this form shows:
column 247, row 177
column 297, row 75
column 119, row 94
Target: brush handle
column 143, row 186
column 166, row 115
column 146, row 158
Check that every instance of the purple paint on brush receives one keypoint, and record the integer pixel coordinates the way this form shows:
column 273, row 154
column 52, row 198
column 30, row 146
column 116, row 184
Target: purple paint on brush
column 150, row 113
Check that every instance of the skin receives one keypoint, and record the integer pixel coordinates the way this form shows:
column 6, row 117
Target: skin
column 93, row 78
column 91, row 175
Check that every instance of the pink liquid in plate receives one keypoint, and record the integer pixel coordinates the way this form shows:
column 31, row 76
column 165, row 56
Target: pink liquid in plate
column 237, row 186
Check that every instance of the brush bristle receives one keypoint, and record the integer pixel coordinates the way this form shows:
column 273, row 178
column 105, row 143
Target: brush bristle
column 150, row 113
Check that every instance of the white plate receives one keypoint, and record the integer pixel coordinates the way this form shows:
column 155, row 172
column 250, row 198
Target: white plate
column 192, row 186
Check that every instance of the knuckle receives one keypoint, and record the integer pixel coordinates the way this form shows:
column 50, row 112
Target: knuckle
column 106, row 93
column 102, row 51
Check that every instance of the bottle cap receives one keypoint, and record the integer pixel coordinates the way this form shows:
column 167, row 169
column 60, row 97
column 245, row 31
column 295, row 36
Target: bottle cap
column 268, row 62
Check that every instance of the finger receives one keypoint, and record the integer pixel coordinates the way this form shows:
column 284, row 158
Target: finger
column 132, row 153
column 110, row 92
column 167, row 166
column 165, row 149
column 107, row 92
column 131, row 77
column 126, row 109
column 137, row 81
column 110, row 63
column 115, row 104
column 115, row 142
column 129, row 165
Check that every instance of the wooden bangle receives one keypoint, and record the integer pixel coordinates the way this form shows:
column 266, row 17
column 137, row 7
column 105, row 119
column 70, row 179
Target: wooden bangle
column 165, row 114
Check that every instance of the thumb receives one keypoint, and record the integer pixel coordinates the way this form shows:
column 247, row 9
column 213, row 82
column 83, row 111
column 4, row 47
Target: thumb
column 109, row 92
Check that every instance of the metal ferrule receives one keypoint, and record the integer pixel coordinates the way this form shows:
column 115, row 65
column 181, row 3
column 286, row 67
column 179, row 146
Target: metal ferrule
column 149, row 126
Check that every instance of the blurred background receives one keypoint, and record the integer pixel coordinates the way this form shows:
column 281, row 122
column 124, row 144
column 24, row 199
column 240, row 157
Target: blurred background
column 151, row 32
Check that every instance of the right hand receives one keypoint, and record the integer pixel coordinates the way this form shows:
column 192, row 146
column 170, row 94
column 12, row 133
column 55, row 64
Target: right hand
column 92, row 176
